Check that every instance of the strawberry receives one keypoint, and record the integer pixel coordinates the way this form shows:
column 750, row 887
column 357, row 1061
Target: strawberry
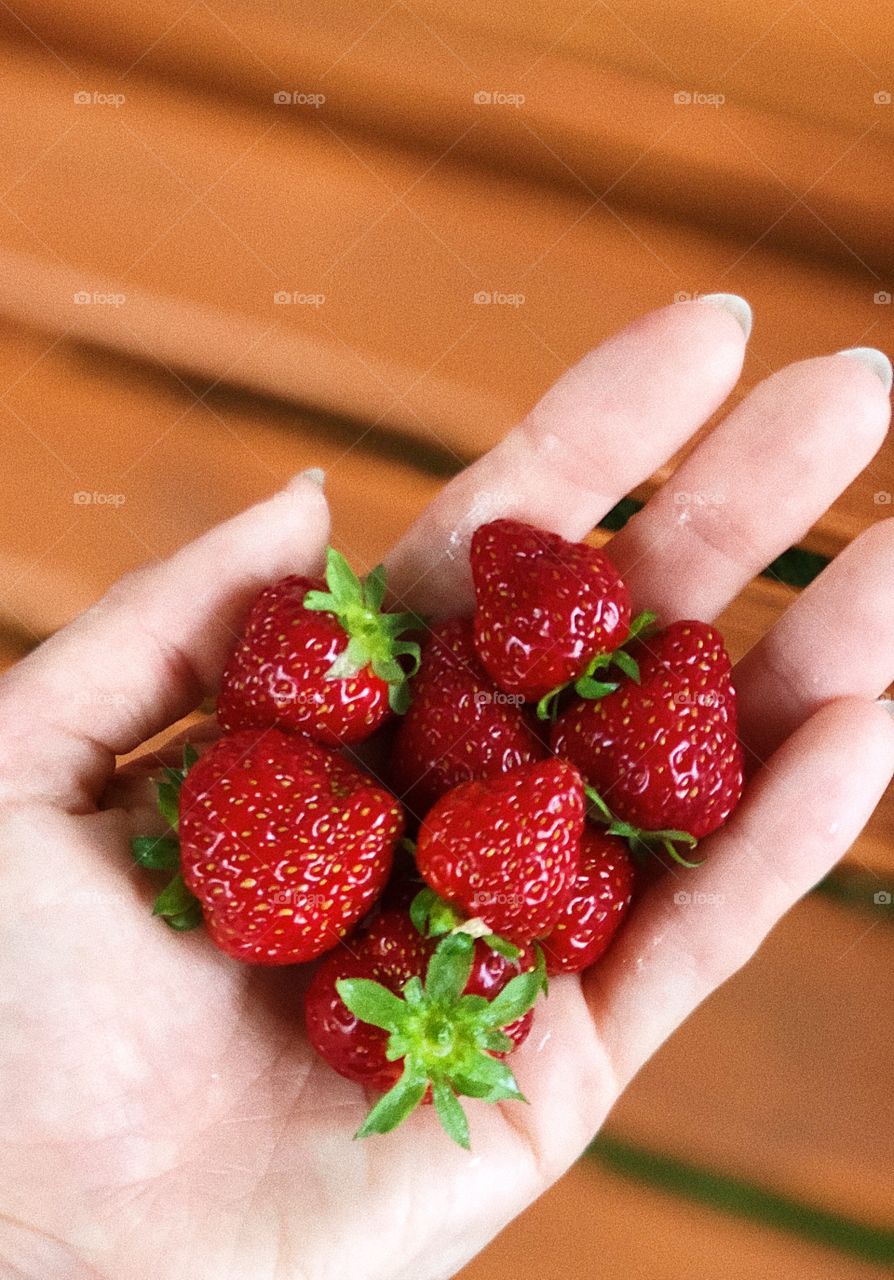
column 460, row 726
column 506, row 850
column 545, row 607
column 391, row 951
column 319, row 661
column 396, row 1011
column 433, row 917
column 284, row 843
column 662, row 754
column 595, row 906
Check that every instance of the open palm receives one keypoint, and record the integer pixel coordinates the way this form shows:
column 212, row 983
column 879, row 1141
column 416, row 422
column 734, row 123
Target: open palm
column 160, row 1110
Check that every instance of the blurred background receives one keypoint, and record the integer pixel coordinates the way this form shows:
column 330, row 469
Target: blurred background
column 240, row 237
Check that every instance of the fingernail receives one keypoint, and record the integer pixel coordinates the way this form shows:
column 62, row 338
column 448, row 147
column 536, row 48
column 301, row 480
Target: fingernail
column 316, row 474
column 887, row 703
column 875, row 360
column 735, row 305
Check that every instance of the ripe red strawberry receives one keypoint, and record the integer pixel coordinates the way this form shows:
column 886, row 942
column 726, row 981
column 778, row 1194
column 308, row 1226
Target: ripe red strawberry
column 545, row 607
column 593, row 910
column 506, row 850
column 663, row 753
column 460, row 726
column 317, row 661
column 284, row 843
column 391, row 952
column 464, row 1009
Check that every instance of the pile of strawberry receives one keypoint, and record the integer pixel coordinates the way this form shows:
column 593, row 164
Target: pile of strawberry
column 531, row 751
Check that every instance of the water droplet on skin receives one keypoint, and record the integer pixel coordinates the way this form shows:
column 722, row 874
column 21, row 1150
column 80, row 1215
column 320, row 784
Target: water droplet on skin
column 487, row 505
column 454, row 548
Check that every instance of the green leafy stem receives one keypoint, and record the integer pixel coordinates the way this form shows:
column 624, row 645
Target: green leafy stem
column 176, row 905
column 587, row 685
column 373, row 635
column 641, row 842
column 433, row 918
column 446, row 1040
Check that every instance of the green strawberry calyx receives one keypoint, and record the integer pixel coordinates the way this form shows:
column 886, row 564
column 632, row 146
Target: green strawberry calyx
column 175, row 904
column 445, row 1039
column 587, row 685
column 433, row 918
column 641, row 842
column 373, row 635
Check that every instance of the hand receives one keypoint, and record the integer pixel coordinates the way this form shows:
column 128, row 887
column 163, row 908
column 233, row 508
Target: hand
column 160, row 1111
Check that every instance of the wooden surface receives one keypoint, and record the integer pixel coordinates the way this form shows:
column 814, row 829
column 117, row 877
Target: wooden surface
column 779, row 1078
column 198, row 218
column 599, row 84
column 592, row 1225
column 198, row 198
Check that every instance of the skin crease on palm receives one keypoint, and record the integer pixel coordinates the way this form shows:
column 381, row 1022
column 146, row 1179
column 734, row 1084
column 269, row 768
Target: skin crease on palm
column 160, row 1111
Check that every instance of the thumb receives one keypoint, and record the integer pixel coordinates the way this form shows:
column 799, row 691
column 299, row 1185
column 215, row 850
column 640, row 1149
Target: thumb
column 149, row 650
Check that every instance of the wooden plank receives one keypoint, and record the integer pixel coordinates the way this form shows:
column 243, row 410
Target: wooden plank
column 175, row 467
column 599, row 107
column 596, row 1224
column 781, row 1078
column 12, row 648
column 746, row 52
column 156, row 210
